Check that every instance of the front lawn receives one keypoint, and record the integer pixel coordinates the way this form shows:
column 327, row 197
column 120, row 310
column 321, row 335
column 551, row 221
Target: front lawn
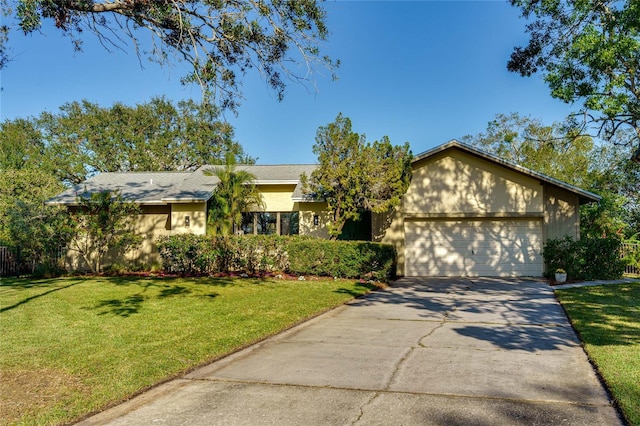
column 608, row 321
column 71, row 346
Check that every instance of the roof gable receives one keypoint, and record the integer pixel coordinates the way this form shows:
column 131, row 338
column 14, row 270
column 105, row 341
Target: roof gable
column 584, row 196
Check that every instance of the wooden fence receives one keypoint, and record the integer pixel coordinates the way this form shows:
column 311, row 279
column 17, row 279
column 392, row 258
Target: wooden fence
column 631, row 250
column 9, row 262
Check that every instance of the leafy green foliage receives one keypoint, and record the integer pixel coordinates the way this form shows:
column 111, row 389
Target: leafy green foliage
column 188, row 254
column 354, row 176
column 84, row 138
column 31, row 188
column 234, row 194
column 39, row 231
column 603, row 219
column 104, row 226
column 618, row 180
column 588, row 50
column 22, row 146
column 349, row 259
column 585, row 259
column 42, row 234
column 219, row 40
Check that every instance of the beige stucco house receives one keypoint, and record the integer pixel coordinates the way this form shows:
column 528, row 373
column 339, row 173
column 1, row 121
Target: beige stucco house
column 466, row 212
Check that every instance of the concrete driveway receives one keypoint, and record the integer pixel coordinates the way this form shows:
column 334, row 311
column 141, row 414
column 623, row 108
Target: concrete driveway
column 424, row 352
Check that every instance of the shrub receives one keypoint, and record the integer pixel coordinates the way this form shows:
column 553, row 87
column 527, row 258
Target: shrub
column 186, row 254
column 189, row 254
column 348, row 259
column 585, row 259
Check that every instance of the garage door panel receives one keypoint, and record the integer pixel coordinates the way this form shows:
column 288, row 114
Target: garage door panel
column 473, row 247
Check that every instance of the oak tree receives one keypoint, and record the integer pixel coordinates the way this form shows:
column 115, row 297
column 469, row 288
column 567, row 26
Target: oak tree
column 84, row 138
column 220, row 40
column 554, row 150
column 589, row 51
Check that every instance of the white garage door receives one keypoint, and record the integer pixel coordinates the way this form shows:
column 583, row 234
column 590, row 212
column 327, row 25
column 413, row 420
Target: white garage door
column 473, row 247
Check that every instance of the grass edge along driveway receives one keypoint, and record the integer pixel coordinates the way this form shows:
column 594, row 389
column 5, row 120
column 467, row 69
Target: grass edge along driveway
column 73, row 346
column 607, row 318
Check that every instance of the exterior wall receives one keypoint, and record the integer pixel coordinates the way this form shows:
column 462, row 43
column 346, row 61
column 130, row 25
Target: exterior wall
column 277, row 198
column 307, row 212
column 151, row 224
column 562, row 214
column 454, row 183
column 197, row 213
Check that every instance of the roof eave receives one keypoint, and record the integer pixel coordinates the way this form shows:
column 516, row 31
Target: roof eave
column 275, row 182
column 306, row 200
column 185, row 200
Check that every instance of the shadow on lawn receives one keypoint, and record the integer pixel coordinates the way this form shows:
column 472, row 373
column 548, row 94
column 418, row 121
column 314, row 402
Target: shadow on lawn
column 25, row 284
column 149, row 290
column 354, row 293
column 605, row 315
column 122, row 307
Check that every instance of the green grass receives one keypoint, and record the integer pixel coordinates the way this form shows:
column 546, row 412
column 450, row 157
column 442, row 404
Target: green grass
column 71, row 346
column 608, row 321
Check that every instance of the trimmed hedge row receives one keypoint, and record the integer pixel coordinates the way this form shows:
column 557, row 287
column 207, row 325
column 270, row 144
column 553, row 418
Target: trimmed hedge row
column 585, row 259
column 348, row 259
column 189, row 254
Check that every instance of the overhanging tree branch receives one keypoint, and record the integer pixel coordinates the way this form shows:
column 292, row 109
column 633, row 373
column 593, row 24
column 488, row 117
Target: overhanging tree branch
column 221, row 41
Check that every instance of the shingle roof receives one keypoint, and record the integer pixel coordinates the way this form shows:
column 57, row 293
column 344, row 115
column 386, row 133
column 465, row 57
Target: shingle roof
column 176, row 187
column 142, row 187
column 585, row 196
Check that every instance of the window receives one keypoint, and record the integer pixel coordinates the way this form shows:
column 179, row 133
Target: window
column 267, row 223
column 289, row 223
column 247, row 225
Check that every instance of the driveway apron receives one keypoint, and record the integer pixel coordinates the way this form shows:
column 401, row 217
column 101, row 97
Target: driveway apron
column 425, row 351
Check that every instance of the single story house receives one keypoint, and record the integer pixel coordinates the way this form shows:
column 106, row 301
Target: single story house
column 466, row 212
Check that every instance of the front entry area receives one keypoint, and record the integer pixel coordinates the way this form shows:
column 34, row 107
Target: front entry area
column 473, row 247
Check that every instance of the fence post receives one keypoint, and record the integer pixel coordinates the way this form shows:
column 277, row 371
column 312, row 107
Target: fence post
column 18, row 262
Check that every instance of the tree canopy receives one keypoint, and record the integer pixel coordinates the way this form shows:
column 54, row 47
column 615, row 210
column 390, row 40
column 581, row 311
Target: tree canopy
column 84, row 138
column 354, row 176
column 554, row 149
column 220, row 40
column 588, row 50
column 23, row 189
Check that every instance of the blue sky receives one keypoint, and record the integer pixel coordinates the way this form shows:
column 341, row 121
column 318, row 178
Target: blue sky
column 421, row 71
